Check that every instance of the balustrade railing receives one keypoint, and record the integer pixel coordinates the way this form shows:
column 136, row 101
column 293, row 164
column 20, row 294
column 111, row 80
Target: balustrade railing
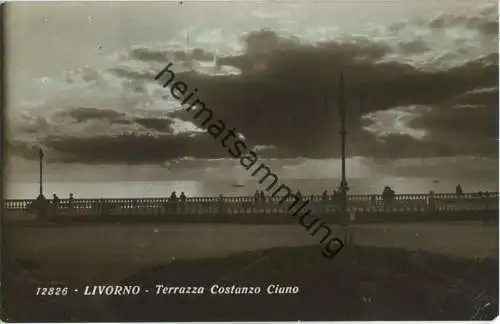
column 248, row 204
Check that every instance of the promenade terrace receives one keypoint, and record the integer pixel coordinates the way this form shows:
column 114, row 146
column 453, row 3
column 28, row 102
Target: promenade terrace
column 362, row 208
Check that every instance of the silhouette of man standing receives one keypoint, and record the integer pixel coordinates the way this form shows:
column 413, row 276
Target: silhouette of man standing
column 183, row 201
column 173, row 201
column 71, row 200
column 55, row 201
column 257, row 196
column 388, row 195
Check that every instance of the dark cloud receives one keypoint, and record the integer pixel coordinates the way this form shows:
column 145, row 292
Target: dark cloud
column 284, row 105
column 202, row 55
column 162, row 56
column 281, row 55
column 486, row 23
column 416, row 46
column 468, row 122
column 145, row 54
column 83, row 114
column 158, row 124
column 266, row 41
column 279, row 101
column 132, row 75
column 482, row 96
column 134, row 149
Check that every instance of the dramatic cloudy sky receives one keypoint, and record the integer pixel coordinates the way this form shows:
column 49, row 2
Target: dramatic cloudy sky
column 81, row 85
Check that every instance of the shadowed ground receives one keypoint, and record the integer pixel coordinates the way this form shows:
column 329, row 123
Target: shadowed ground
column 360, row 283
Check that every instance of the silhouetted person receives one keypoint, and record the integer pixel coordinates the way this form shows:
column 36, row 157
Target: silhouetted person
column 385, row 195
column 299, row 195
column 459, row 191
column 257, row 196
column 173, row 201
column 182, row 198
column 388, row 194
column 431, row 200
column 55, row 201
column 325, row 196
column 262, row 196
column 71, row 200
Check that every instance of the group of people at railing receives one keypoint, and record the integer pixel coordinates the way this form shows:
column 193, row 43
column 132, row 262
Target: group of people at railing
column 178, row 203
column 173, row 197
column 42, row 203
column 259, row 196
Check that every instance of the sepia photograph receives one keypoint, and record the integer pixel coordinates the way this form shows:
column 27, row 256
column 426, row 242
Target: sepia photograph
column 208, row 161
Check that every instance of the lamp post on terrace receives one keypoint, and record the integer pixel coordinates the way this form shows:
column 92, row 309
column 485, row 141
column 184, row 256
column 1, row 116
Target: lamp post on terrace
column 41, row 203
column 343, row 188
column 40, row 160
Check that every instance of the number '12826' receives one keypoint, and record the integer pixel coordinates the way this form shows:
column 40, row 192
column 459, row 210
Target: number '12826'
column 51, row 291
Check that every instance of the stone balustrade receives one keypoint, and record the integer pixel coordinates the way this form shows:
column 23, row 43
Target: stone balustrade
column 271, row 205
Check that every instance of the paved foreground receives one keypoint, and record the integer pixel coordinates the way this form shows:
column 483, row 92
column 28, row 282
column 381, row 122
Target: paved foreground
column 361, row 283
column 82, row 253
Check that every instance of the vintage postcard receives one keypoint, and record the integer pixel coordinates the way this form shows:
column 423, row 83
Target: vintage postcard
column 250, row 161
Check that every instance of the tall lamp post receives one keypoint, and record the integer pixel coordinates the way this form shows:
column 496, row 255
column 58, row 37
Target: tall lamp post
column 343, row 188
column 41, row 202
column 40, row 160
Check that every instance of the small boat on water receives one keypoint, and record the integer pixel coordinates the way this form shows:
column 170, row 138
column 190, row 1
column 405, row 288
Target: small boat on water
column 237, row 185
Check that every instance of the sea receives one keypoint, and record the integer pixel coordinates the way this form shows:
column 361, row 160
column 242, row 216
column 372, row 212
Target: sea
column 152, row 189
